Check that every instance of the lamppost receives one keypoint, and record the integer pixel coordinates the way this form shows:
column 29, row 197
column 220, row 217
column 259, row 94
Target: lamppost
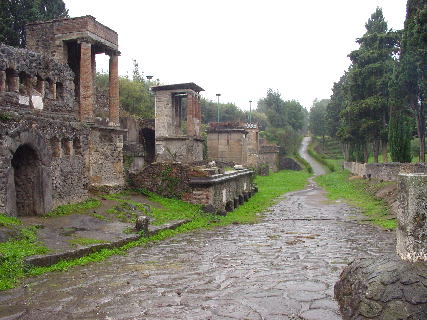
column 218, row 95
column 250, row 111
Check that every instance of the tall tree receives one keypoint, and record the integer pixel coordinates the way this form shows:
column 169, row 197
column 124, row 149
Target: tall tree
column 366, row 113
column 413, row 66
column 15, row 14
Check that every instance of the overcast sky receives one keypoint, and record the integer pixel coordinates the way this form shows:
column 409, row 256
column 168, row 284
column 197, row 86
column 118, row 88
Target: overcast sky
column 240, row 48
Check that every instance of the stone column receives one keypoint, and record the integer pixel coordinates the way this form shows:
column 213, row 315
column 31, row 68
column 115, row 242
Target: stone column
column 114, row 90
column 14, row 81
column 412, row 217
column 86, row 82
column 2, row 81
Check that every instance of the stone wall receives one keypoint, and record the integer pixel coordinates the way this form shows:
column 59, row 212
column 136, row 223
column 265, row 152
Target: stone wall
column 106, row 172
column 34, row 81
column 183, row 149
column 59, row 147
column 227, row 141
column 384, row 171
column 269, row 154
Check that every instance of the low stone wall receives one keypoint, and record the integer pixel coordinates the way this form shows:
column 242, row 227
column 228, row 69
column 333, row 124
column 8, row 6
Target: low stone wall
column 221, row 192
column 185, row 149
column 384, row 171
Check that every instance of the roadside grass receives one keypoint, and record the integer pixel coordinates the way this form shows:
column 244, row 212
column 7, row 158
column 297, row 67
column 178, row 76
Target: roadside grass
column 270, row 187
column 12, row 254
column 359, row 193
column 303, row 162
column 85, row 241
column 81, row 207
column 9, row 221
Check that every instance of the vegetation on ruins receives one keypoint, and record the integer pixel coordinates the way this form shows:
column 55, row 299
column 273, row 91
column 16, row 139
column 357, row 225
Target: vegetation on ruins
column 379, row 103
column 15, row 14
column 13, row 252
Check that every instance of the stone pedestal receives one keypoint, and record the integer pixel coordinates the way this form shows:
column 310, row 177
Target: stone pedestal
column 412, row 217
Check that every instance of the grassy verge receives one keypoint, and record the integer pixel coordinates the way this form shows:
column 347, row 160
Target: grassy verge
column 303, row 162
column 359, row 193
column 172, row 209
column 81, row 207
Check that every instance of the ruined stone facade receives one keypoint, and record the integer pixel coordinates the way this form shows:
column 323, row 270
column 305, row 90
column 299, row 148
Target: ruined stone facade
column 177, row 121
column 51, row 151
column 240, row 143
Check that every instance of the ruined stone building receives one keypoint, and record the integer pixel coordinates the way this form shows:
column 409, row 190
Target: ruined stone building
column 177, row 121
column 52, row 149
column 240, row 143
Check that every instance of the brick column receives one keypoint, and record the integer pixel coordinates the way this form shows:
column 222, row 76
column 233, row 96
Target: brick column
column 86, row 82
column 2, row 81
column 114, row 90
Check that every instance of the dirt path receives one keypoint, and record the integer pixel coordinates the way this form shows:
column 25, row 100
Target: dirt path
column 282, row 268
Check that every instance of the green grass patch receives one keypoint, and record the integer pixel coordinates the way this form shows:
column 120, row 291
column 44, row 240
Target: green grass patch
column 12, row 254
column 358, row 193
column 270, row 188
column 9, row 221
column 81, row 207
column 85, row 241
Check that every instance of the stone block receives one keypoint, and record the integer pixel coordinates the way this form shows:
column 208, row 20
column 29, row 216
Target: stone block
column 141, row 224
column 412, row 217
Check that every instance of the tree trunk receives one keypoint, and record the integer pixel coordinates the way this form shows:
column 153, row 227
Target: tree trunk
column 376, row 150
column 366, row 153
column 346, row 151
column 384, row 150
column 421, row 131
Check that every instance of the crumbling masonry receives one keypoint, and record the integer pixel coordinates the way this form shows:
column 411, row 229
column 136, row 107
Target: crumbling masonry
column 52, row 151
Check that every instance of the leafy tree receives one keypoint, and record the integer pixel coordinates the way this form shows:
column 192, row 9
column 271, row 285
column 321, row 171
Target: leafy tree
column 15, row 14
column 335, row 106
column 413, row 66
column 229, row 112
column 317, row 118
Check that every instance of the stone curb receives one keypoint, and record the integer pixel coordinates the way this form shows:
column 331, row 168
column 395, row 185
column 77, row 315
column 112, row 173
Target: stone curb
column 47, row 260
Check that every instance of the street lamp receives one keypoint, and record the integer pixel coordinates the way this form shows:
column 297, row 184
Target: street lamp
column 250, row 111
column 218, row 95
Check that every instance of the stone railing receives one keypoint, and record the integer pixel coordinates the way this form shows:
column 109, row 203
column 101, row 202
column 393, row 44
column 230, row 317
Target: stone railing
column 384, row 171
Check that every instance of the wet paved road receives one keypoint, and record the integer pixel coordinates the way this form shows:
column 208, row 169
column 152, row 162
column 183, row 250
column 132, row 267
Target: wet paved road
column 282, row 268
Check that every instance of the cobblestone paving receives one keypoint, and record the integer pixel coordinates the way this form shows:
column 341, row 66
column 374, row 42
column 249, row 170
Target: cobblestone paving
column 282, row 268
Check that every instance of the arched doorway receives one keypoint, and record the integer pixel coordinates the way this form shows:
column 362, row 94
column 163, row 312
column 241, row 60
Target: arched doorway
column 28, row 181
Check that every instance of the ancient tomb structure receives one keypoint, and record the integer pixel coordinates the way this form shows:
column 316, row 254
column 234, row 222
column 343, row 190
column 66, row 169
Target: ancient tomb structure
column 51, row 151
column 227, row 142
column 240, row 143
column 177, row 122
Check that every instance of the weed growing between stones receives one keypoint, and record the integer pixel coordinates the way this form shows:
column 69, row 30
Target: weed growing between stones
column 359, row 194
column 85, row 241
column 270, row 187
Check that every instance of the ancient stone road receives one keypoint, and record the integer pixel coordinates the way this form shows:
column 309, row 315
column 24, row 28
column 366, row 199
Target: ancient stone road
column 282, row 268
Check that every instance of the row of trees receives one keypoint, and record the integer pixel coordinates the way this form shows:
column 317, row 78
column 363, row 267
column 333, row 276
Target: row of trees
column 379, row 102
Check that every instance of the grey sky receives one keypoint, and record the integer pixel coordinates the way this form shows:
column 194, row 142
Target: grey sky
column 240, row 48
